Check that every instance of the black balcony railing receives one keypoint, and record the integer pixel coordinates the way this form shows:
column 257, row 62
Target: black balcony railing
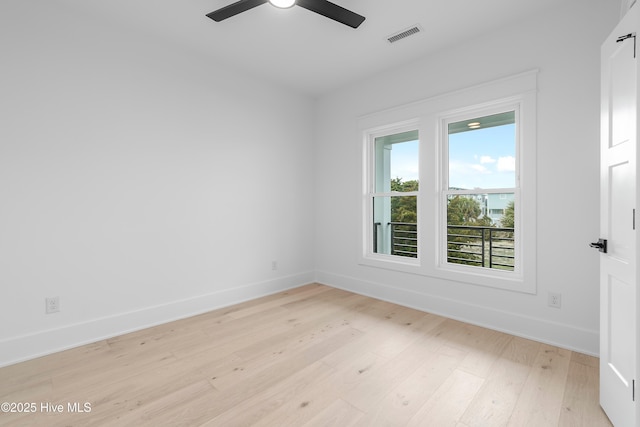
column 489, row 247
column 404, row 239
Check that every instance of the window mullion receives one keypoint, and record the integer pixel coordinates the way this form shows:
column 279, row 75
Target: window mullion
column 396, row 194
column 481, row 190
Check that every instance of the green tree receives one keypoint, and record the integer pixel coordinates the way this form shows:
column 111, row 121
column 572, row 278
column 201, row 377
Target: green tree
column 507, row 220
column 463, row 210
column 398, row 185
column 404, row 209
column 462, row 242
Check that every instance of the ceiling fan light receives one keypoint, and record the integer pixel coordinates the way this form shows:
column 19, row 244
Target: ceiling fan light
column 283, row 4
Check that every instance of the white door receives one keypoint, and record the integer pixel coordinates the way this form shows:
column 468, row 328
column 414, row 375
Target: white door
column 618, row 277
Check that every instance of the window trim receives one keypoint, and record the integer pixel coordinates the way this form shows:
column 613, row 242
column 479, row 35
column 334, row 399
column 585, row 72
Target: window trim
column 444, row 191
column 370, row 193
column 427, row 117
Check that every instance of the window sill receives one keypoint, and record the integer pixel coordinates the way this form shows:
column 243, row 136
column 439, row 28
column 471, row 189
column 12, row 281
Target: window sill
column 506, row 280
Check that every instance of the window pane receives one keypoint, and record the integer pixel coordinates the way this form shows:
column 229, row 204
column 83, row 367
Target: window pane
column 480, row 230
column 482, row 152
column 396, row 162
column 395, row 228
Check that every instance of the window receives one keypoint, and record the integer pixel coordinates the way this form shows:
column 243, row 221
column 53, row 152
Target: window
column 480, row 165
column 449, row 186
column 393, row 193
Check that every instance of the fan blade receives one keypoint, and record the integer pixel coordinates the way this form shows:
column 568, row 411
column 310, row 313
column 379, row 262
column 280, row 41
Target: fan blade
column 234, row 9
column 332, row 11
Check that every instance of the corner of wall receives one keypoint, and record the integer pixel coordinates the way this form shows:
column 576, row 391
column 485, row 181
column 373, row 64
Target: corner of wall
column 18, row 349
column 549, row 332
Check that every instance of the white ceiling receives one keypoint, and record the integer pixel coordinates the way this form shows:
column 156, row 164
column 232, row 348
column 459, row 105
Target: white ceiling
column 307, row 51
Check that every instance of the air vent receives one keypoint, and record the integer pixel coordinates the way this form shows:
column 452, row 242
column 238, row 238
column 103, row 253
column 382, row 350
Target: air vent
column 404, row 34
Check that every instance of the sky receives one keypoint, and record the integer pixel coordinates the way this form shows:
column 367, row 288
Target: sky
column 483, row 158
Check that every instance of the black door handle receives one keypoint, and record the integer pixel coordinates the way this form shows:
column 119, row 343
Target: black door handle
column 601, row 245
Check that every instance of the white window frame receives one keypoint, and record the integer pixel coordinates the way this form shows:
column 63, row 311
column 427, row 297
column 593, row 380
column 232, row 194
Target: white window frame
column 429, row 117
column 370, row 193
column 467, row 114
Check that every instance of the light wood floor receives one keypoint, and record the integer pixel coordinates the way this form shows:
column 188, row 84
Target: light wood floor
column 313, row 356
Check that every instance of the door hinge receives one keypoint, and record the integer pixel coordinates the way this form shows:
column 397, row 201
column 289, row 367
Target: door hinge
column 634, row 219
column 633, row 390
column 628, row 36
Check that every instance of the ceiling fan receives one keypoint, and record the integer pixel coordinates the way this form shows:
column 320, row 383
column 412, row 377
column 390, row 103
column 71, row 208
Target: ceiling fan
column 323, row 7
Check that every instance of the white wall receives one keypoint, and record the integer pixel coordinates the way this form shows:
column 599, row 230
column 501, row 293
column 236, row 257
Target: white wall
column 565, row 47
column 138, row 182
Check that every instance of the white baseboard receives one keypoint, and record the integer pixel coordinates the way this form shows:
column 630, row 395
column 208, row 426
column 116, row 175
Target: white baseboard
column 25, row 347
column 537, row 329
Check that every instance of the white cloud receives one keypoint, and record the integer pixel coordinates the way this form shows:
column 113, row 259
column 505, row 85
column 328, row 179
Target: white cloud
column 506, row 164
column 480, row 168
column 487, row 159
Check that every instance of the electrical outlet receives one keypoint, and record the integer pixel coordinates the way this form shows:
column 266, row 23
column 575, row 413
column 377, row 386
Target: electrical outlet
column 274, row 265
column 555, row 300
column 52, row 305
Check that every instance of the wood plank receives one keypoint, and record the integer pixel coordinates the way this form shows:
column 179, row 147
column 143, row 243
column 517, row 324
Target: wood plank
column 294, row 345
column 314, row 400
column 495, row 401
column 188, row 406
column 540, row 401
column 16, row 376
column 486, row 346
column 285, row 397
column 338, row 414
column 401, row 403
column 580, row 405
column 278, row 300
column 257, row 381
column 449, row 402
column 383, row 379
